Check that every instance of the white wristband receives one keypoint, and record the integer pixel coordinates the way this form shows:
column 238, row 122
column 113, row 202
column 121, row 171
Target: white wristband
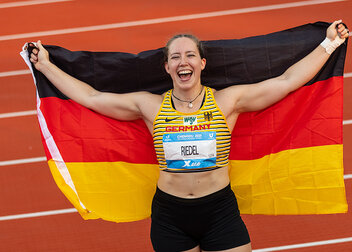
column 330, row 46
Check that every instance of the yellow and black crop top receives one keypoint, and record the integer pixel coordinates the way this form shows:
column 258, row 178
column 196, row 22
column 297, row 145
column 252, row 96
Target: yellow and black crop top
column 189, row 142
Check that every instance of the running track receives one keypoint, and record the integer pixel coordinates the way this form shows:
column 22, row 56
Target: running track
column 26, row 185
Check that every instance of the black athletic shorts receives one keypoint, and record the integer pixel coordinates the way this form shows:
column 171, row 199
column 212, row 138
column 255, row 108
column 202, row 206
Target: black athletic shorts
column 213, row 222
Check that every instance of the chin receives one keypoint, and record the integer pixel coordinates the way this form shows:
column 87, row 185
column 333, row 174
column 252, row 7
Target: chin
column 186, row 84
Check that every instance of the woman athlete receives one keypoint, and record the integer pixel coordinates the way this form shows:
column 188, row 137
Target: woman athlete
column 194, row 208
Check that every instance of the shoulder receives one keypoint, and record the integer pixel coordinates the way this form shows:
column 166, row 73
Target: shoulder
column 228, row 97
column 148, row 104
column 144, row 98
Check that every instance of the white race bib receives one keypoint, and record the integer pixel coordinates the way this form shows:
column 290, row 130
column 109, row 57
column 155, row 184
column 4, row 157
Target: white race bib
column 190, row 150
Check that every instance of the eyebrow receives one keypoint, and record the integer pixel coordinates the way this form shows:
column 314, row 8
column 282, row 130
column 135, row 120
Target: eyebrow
column 177, row 53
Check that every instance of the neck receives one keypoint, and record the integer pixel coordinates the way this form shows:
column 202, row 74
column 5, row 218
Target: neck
column 187, row 99
column 187, row 94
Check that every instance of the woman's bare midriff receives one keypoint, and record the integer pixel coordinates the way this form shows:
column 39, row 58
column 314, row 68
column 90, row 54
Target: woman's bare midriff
column 195, row 184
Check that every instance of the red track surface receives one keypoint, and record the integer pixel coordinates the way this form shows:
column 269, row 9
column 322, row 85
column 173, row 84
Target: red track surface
column 27, row 188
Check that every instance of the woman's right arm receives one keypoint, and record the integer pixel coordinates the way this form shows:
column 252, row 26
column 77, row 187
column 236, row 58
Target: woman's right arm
column 119, row 106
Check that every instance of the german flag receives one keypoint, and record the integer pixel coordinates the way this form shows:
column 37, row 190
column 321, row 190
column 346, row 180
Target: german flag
column 286, row 159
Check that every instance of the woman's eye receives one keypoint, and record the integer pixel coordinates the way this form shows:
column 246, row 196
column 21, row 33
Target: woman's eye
column 175, row 57
column 191, row 55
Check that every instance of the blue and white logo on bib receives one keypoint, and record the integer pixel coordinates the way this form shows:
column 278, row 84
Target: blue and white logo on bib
column 192, row 150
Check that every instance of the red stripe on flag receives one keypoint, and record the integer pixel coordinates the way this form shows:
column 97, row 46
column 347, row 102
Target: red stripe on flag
column 85, row 136
column 306, row 118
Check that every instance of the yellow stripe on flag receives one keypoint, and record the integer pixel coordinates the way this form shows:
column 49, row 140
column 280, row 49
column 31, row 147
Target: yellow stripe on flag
column 68, row 192
column 114, row 191
column 283, row 183
column 297, row 181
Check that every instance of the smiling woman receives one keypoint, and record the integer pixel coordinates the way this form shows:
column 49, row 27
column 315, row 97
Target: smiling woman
column 194, row 207
column 184, row 64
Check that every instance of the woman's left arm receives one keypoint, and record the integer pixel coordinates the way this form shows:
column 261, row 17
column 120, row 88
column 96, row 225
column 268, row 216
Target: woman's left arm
column 258, row 96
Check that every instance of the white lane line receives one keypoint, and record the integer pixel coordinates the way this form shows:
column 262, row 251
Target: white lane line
column 279, row 248
column 37, row 214
column 14, row 73
column 347, row 122
column 304, row 245
column 16, row 114
column 347, row 75
column 26, row 3
column 166, row 19
column 22, row 161
column 347, row 176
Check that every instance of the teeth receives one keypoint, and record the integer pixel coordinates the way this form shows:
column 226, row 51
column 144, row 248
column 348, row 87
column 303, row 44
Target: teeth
column 185, row 72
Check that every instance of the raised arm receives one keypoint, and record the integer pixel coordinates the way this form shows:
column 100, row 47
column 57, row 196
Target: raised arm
column 129, row 106
column 258, row 96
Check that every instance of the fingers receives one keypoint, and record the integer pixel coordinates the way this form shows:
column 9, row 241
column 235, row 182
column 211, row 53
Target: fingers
column 336, row 22
column 39, row 44
column 340, row 28
column 34, row 57
column 337, row 28
column 331, row 32
column 34, row 49
column 39, row 55
column 342, row 31
column 38, row 47
column 34, row 53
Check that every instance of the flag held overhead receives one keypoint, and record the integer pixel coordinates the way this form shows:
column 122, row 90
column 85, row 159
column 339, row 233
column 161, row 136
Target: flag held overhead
column 286, row 159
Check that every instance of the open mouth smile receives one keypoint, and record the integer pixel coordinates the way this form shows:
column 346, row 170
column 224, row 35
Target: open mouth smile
column 185, row 75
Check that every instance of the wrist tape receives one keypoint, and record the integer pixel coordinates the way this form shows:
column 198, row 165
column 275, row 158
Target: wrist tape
column 330, row 46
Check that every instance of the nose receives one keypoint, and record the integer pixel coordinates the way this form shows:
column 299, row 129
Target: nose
column 183, row 60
